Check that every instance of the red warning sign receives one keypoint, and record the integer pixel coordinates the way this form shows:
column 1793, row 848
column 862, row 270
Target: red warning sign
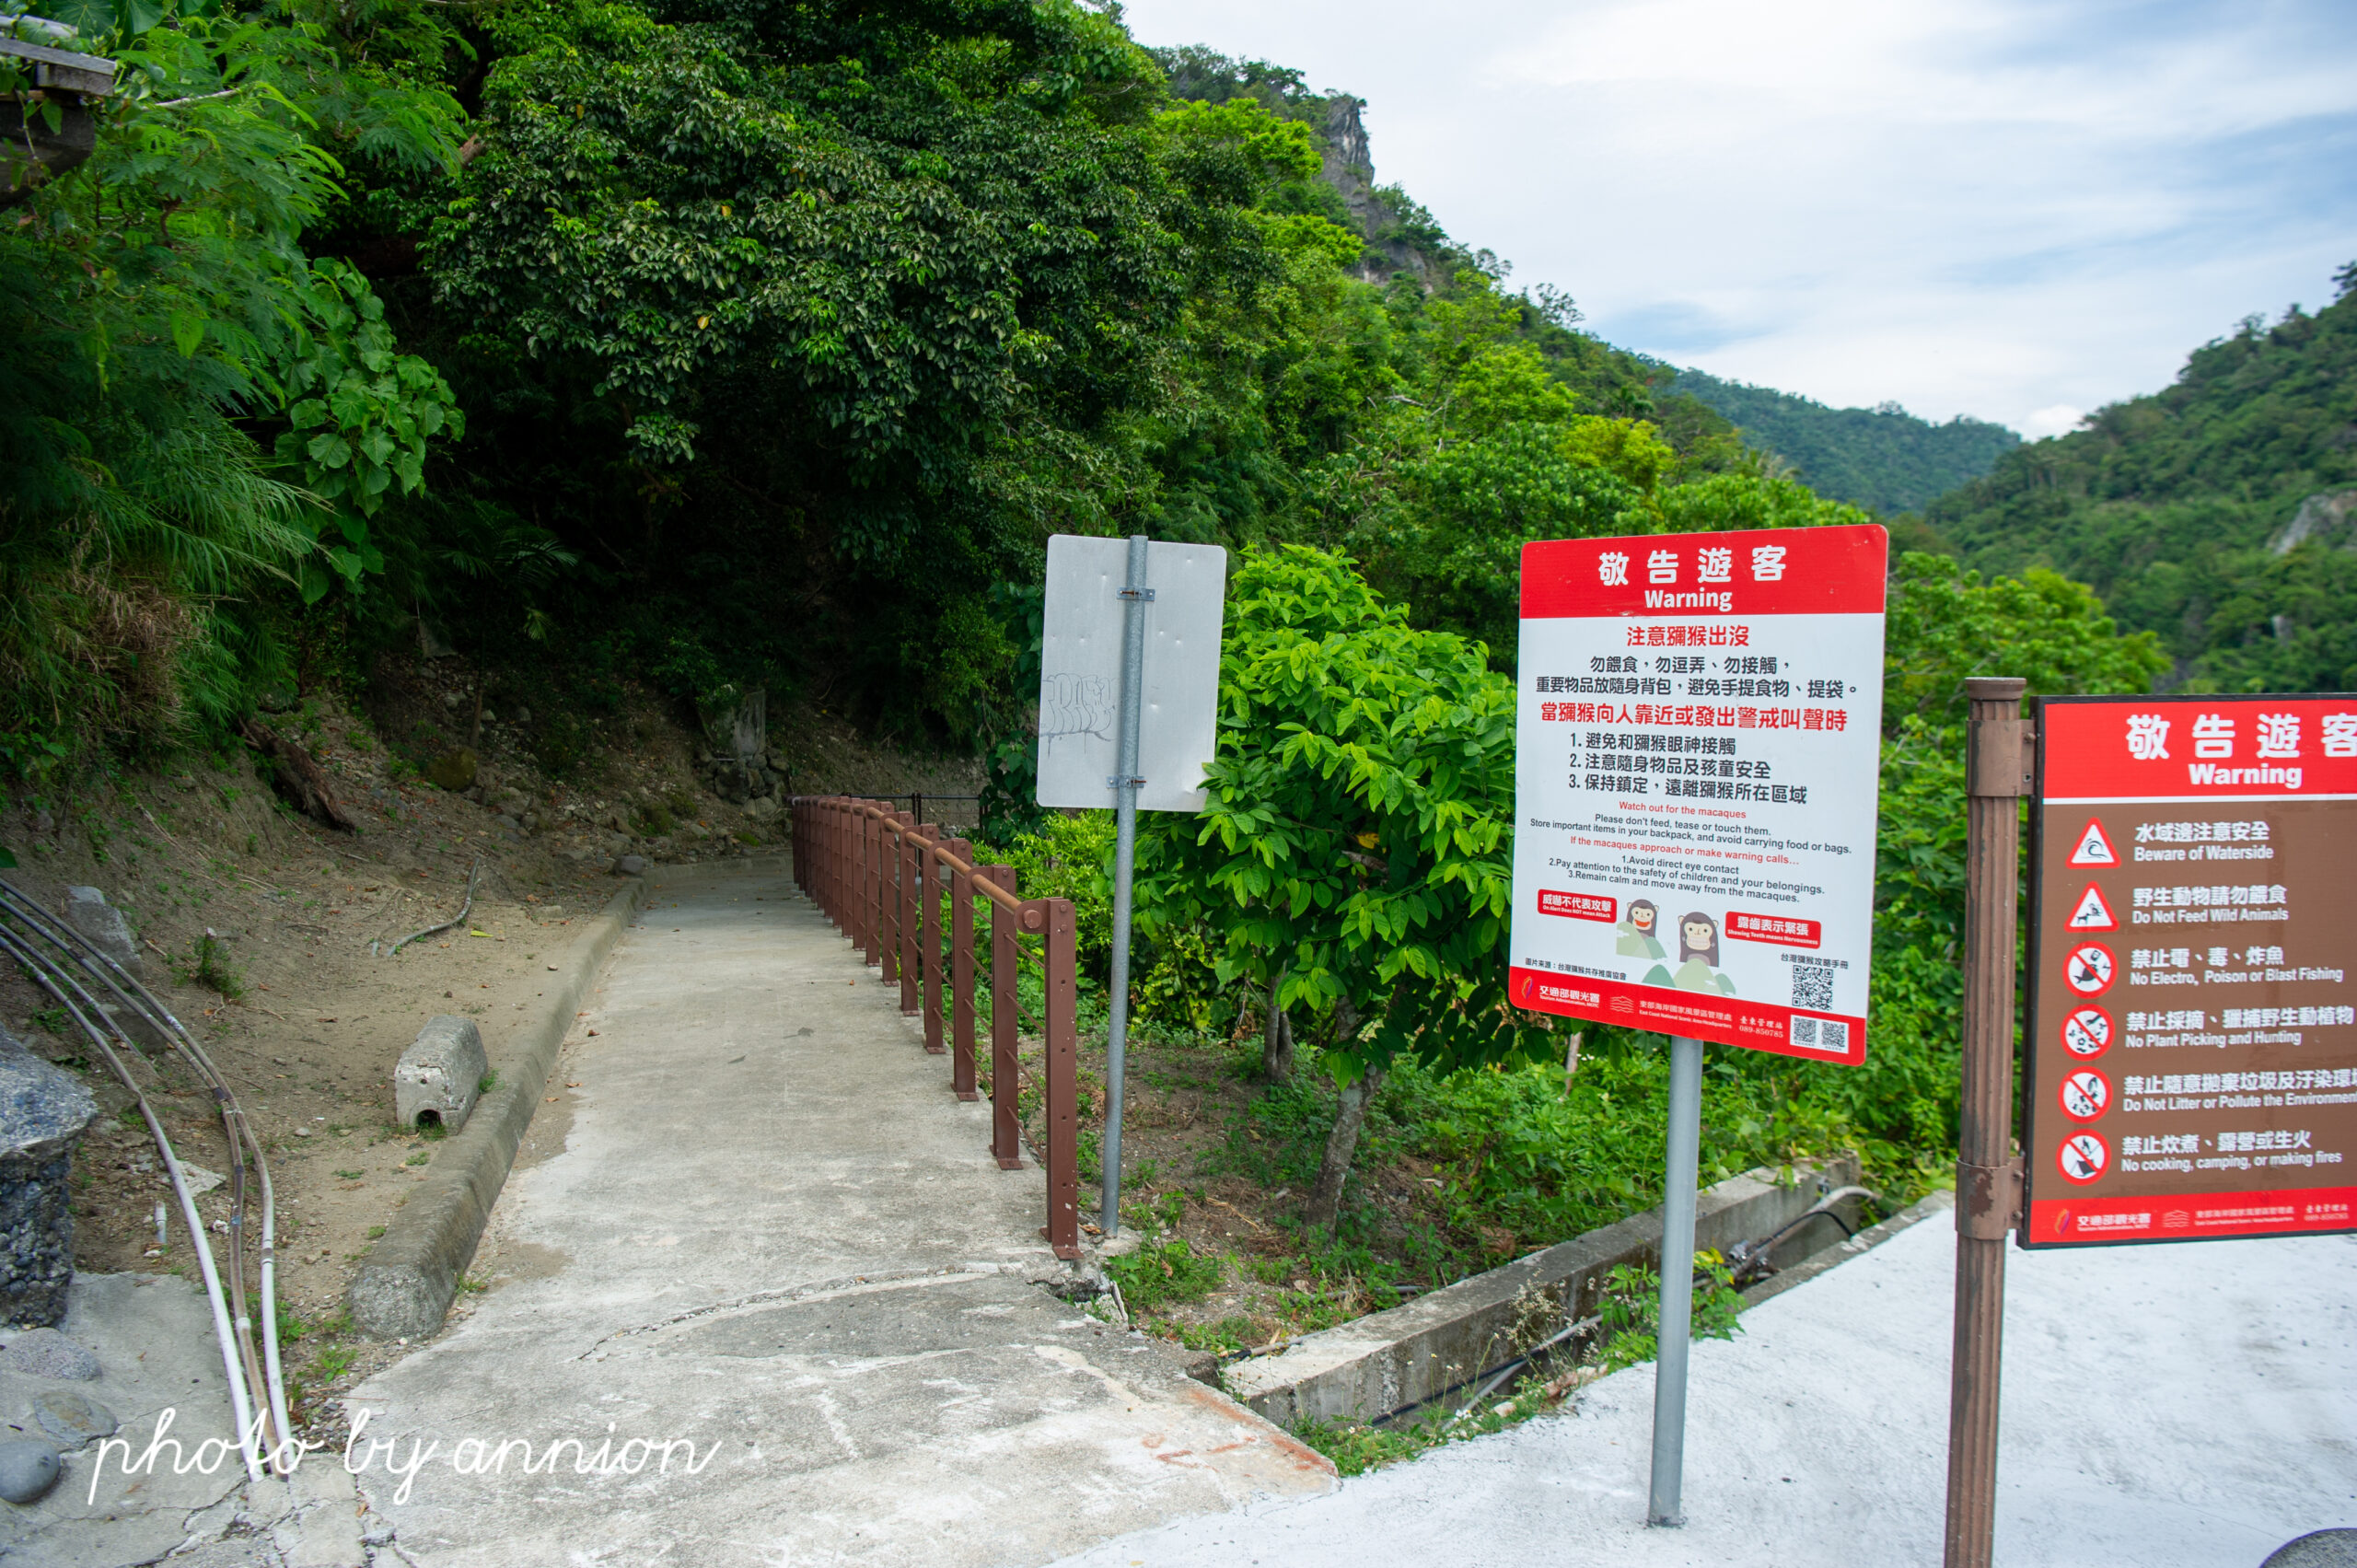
column 2091, row 913
column 2088, row 969
column 2086, row 1033
column 2092, row 848
column 2083, row 1157
column 2087, row 1094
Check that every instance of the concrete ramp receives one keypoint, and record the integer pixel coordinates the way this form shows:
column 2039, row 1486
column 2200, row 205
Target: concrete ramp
column 759, row 1295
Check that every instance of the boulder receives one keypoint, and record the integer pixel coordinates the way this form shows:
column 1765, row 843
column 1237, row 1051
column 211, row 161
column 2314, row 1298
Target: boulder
column 28, row 1468
column 630, row 865
column 762, row 810
column 452, row 771
column 440, row 1075
column 87, row 911
column 43, row 1111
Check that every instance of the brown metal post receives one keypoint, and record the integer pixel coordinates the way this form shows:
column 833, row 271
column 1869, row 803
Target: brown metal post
column 961, row 972
column 871, row 881
column 829, row 901
column 1007, row 1078
column 904, row 921
column 1988, row 1178
column 1064, row 1093
column 837, row 865
column 929, row 938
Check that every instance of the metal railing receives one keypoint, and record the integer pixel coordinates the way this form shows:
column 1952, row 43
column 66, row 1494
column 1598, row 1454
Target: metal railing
column 882, row 878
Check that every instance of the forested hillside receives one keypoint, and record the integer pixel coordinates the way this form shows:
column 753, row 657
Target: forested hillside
column 2219, row 514
column 660, row 351
column 1881, row 458
column 728, row 346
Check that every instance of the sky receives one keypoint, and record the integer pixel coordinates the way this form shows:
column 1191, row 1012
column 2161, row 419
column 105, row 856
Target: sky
column 2013, row 211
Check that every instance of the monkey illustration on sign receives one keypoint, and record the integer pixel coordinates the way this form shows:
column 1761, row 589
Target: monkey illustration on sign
column 1698, row 959
column 1637, row 938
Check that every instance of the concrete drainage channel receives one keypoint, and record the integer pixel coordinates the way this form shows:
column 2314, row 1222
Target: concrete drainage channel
column 1390, row 1364
column 405, row 1286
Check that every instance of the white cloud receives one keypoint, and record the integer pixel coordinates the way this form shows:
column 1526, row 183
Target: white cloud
column 2060, row 420
column 1991, row 207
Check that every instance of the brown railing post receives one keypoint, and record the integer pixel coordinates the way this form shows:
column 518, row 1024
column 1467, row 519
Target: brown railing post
column 928, row 862
column 905, row 870
column 1006, row 1077
column 838, row 867
column 961, row 970
column 822, row 852
column 871, row 883
column 1063, row 1050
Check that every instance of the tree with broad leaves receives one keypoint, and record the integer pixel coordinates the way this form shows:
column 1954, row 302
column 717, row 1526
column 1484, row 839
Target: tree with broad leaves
column 1355, row 859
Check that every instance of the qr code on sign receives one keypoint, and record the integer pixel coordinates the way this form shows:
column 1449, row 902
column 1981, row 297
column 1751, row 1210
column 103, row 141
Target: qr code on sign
column 1812, row 987
column 1821, row 1034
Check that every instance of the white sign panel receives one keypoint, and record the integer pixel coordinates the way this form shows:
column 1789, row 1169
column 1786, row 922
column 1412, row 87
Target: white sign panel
column 1080, row 672
column 1698, row 760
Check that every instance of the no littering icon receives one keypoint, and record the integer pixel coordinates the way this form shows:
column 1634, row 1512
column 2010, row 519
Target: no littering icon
column 2087, row 1094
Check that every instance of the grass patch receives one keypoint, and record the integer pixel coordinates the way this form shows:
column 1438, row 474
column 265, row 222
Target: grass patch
column 1164, row 1274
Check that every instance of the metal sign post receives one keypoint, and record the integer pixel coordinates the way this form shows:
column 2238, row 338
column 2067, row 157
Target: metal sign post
column 1695, row 794
column 1128, row 692
column 1135, row 596
column 1676, row 1336
column 1988, row 1180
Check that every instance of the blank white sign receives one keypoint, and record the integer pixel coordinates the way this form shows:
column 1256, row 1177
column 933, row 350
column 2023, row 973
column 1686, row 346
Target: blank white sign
column 1080, row 672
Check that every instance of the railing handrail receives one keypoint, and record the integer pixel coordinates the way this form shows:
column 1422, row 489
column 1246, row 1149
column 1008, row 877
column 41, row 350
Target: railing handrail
column 879, row 875
column 1008, row 902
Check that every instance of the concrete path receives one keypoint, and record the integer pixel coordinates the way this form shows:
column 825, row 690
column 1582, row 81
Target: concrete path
column 772, row 1233
column 2190, row 1406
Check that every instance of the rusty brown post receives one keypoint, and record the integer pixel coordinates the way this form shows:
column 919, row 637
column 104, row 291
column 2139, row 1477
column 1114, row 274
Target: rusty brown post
column 1006, row 1077
column 839, row 865
column 829, row 900
column 929, row 938
column 905, row 922
column 1988, row 1178
column 961, row 970
column 1063, row 1050
column 871, row 881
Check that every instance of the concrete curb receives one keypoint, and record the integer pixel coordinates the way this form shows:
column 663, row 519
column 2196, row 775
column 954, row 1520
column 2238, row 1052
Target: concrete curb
column 405, row 1284
column 1389, row 1361
column 1841, row 1252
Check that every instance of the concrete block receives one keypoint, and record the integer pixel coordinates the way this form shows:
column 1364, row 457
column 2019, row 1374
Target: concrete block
column 87, row 911
column 440, row 1075
column 1387, row 1360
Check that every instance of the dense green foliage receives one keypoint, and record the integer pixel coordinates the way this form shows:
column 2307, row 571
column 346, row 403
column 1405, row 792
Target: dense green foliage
column 1881, row 458
column 2177, row 507
column 190, row 403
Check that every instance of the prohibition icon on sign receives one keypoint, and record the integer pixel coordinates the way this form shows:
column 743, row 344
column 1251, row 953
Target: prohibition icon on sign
column 2088, row 969
column 2086, row 1033
column 2087, row 1094
column 2083, row 1157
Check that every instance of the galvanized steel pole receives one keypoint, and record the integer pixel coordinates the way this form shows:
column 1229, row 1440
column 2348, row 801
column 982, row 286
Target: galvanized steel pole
column 1988, row 1178
column 1134, row 598
column 1685, row 1144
